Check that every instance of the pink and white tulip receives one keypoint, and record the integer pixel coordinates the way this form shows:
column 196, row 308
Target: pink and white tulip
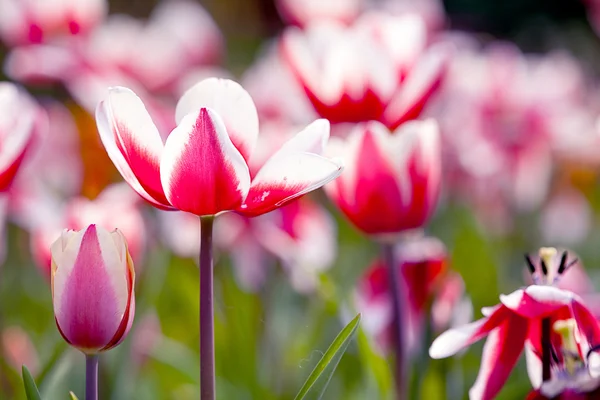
column 304, row 12
column 35, row 21
column 19, row 118
column 422, row 263
column 511, row 326
column 380, row 68
column 93, row 288
column 202, row 167
column 392, row 181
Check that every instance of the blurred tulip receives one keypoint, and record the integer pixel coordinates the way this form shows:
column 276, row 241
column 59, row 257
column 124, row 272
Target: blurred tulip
column 392, row 181
column 19, row 350
column 428, row 290
column 202, row 168
column 567, row 205
column 35, row 21
column 300, row 234
column 115, row 207
column 93, row 288
column 511, row 326
column 377, row 69
column 304, row 12
column 503, row 125
column 18, row 119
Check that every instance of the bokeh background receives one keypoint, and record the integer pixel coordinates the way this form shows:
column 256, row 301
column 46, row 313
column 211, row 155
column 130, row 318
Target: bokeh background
column 272, row 326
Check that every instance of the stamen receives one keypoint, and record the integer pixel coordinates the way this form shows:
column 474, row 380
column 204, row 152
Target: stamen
column 544, row 267
column 530, row 264
column 573, row 262
column 563, row 263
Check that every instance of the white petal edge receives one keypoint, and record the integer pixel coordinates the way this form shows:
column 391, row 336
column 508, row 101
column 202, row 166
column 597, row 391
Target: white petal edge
column 454, row 340
column 231, row 101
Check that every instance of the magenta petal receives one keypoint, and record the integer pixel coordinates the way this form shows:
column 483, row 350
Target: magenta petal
column 500, row 354
column 201, row 170
column 286, row 177
column 89, row 314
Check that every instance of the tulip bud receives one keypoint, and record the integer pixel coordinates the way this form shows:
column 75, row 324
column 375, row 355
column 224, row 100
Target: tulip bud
column 92, row 288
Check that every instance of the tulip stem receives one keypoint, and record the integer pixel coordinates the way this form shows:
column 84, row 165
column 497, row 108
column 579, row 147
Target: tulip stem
column 207, row 340
column 91, row 377
column 546, row 349
column 398, row 333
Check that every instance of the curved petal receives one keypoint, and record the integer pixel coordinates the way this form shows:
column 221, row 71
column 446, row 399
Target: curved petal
column 287, row 176
column 500, row 354
column 311, row 139
column 90, row 288
column 537, row 301
column 201, row 170
column 231, row 102
column 410, row 100
column 456, row 339
column 133, row 142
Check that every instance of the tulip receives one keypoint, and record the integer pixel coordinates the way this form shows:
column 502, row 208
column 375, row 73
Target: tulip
column 511, row 326
column 18, row 119
column 26, row 21
column 303, row 12
column 379, row 68
column 202, row 168
column 93, row 293
column 392, row 181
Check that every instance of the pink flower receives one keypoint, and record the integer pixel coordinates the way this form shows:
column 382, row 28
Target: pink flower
column 19, row 350
column 303, row 12
column 31, row 21
column 392, row 181
column 202, row 167
column 510, row 326
column 380, row 68
column 92, row 288
column 18, row 119
column 426, row 283
column 115, row 207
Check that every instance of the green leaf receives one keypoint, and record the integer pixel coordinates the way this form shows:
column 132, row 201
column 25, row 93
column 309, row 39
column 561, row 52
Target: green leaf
column 73, row 397
column 31, row 389
column 317, row 382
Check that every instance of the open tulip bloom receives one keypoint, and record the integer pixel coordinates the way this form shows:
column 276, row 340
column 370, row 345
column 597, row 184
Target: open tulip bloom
column 202, row 168
column 558, row 332
column 93, row 293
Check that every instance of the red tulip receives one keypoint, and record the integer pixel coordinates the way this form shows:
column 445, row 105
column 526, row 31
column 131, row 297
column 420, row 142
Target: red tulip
column 392, row 181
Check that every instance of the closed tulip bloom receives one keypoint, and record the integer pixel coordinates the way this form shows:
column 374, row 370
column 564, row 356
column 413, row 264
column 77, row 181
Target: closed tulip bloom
column 392, row 181
column 92, row 288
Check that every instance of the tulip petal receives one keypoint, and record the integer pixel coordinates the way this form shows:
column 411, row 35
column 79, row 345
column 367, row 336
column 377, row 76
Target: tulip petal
column 90, row 288
column 132, row 142
column 456, row 339
column 537, row 301
column 311, row 139
column 201, row 170
column 500, row 354
column 409, row 101
column 231, row 102
column 587, row 323
column 285, row 177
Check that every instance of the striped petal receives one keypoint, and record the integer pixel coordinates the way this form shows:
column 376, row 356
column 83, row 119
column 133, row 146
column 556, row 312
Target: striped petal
column 454, row 340
column 201, row 170
column 286, row 177
column 133, row 143
column 91, row 286
column 537, row 301
column 500, row 354
column 231, row 102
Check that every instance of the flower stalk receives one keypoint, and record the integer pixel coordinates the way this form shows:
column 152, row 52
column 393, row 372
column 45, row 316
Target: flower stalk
column 207, row 341
column 398, row 333
column 91, row 376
